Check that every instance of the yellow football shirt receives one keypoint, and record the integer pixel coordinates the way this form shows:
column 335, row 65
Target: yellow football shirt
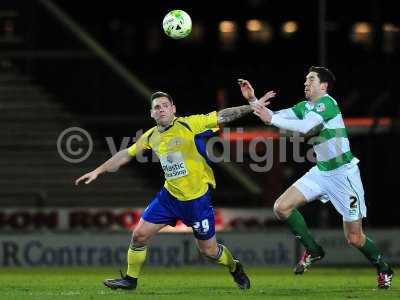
column 182, row 154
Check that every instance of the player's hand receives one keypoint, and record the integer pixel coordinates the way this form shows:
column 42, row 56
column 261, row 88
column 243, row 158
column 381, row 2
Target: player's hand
column 260, row 111
column 88, row 177
column 247, row 89
column 264, row 99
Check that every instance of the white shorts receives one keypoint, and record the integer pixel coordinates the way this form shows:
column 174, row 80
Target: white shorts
column 343, row 189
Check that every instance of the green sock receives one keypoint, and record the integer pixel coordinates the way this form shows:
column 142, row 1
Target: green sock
column 299, row 228
column 373, row 254
column 136, row 258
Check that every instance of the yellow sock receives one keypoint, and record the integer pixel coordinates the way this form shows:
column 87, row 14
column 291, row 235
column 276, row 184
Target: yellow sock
column 226, row 259
column 136, row 260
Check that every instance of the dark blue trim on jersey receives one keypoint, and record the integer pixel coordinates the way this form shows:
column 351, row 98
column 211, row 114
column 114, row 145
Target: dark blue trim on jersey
column 186, row 125
column 200, row 142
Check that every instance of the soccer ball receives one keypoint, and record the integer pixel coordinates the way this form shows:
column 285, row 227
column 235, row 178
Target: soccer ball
column 177, row 24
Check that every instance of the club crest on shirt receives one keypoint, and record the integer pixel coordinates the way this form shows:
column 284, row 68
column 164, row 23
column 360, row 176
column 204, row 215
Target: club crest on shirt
column 175, row 142
column 320, row 107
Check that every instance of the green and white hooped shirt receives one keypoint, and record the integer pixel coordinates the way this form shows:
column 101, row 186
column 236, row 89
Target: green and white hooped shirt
column 331, row 146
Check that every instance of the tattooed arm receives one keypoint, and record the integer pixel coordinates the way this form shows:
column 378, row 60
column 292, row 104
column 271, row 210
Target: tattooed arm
column 232, row 113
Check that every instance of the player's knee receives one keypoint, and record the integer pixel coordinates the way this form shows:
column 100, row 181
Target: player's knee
column 209, row 251
column 139, row 238
column 355, row 239
column 281, row 210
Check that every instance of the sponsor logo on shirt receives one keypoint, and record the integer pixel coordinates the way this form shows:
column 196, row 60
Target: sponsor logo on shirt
column 173, row 165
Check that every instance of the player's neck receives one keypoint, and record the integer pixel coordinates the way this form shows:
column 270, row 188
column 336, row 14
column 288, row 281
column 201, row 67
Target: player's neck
column 164, row 127
column 315, row 99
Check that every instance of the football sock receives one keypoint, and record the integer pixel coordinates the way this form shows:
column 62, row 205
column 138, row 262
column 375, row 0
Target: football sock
column 225, row 258
column 299, row 228
column 136, row 258
column 373, row 254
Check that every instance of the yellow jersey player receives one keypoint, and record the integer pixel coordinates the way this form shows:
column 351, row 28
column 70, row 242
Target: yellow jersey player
column 179, row 144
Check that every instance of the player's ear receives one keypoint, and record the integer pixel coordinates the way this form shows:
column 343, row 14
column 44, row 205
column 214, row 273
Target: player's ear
column 174, row 108
column 151, row 113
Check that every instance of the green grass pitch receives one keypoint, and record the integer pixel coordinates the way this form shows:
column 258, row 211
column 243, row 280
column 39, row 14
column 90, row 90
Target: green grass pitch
column 193, row 283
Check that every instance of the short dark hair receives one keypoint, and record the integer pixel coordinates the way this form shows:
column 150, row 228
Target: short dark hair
column 325, row 75
column 161, row 94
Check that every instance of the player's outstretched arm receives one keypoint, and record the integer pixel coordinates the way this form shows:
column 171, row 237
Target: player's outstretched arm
column 248, row 93
column 232, row 113
column 247, row 90
column 112, row 165
column 264, row 114
column 312, row 121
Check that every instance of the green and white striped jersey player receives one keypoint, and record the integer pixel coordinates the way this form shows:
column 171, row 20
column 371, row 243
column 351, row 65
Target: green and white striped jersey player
column 336, row 176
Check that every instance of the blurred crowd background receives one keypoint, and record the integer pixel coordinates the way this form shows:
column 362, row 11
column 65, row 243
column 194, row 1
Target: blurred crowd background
column 92, row 64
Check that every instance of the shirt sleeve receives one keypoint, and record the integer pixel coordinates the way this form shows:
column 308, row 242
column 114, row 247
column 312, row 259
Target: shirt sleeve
column 327, row 108
column 311, row 120
column 201, row 123
column 142, row 144
column 298, row 109
column 287, row 113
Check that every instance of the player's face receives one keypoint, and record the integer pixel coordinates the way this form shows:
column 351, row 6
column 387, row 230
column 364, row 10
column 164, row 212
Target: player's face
column 313, row 88
column 162, row 111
